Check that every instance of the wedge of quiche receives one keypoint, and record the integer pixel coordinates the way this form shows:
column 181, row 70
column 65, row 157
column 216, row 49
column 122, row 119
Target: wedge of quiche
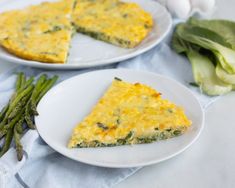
column 41, row 32
column 129, row 114
column 122, row 24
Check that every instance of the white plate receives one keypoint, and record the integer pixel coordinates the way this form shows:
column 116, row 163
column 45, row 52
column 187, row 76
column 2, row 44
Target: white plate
column 88, row 52
column 70, row 101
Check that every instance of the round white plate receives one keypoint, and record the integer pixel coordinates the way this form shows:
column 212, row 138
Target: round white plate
column 87, row 52
column 70, row 101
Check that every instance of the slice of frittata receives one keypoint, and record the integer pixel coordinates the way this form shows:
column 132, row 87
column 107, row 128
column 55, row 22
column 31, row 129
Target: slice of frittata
column 41, row 32
column 129, row 114
column 122, row 24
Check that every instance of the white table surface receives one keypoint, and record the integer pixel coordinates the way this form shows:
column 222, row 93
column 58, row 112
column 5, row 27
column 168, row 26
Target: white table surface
column 216, row 145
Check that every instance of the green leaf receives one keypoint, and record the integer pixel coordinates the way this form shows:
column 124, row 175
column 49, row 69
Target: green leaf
column 224, row 75
column 205, row 76
column 183, row 29
column 224, row 54
column 224, row 28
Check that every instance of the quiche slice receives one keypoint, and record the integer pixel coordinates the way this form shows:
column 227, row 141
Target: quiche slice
column 122, row 24
column 129, row 114
column 41, row 32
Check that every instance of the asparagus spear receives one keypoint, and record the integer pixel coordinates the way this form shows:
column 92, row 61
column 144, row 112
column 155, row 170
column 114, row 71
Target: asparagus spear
column 19, row 82
column 27, row 114
column 19, row 128
column 48, row 85
column 19, row 106
column 10, row 125
column 7, row 142
column 36, row 92
column 26, row 83
column 27, row 117
column 23, row 81
column 22, row 106
column 19, row 97
column 3, row 112
column 18, row 145
column 14, row 102
column 39, row 91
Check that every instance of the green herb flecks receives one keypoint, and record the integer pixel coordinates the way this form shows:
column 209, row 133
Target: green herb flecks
column 102, row 126
column 177, row 132
column 118, row 121
column 54, row 29
column 118, row 79
column 170, row 110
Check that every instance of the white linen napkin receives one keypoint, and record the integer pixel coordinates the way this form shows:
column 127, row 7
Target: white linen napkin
column 43, row 167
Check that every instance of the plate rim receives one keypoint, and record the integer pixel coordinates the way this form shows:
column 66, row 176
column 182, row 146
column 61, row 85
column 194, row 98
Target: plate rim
column 140, row 164
column 93, row 63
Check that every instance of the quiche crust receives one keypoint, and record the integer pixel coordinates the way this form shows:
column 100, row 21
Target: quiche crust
column 129, row 114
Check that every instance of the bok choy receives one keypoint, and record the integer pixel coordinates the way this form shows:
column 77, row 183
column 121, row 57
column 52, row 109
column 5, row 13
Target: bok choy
column 211, row 54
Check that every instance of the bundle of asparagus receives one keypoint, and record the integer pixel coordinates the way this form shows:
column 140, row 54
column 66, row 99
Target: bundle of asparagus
column 18, row 115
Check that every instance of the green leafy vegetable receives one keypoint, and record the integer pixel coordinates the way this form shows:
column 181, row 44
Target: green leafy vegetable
column 210, row 48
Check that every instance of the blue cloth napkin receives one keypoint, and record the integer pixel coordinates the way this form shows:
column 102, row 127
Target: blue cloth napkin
column 43, row 167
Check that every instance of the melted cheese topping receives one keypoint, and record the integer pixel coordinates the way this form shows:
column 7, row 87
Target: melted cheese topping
column 123, row 24
column 42, row 32
column 126, row 108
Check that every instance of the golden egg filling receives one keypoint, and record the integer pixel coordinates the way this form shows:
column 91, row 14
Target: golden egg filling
column 41, row 32
column 116, row 22
column 129, row 114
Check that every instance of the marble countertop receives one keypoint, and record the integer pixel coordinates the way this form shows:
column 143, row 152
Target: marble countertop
column 213, row 154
